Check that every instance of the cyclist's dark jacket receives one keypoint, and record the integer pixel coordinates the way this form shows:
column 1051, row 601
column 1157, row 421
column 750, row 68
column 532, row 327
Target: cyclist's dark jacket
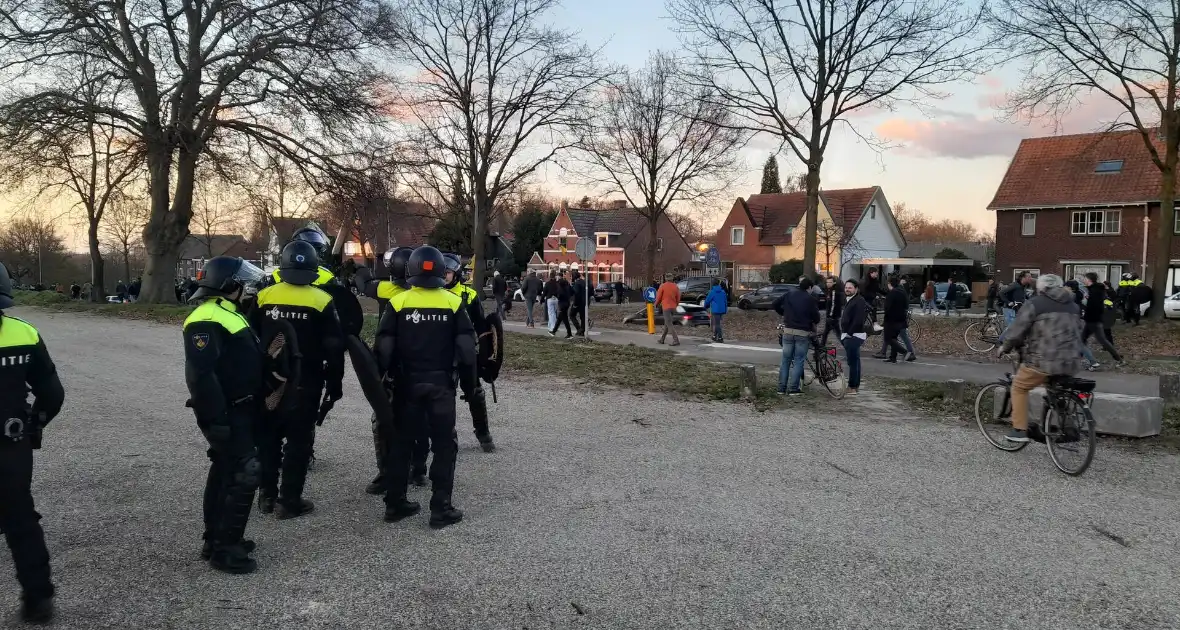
column 222, row 359
column 424, row 336
column 799, row 310
column 24, row 360
column 1013, row 293
column 311, row 313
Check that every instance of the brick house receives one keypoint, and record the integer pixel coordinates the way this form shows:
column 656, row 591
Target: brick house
column 762, row 230
column 1075, row 204
column 196, row 249
column 621, row 235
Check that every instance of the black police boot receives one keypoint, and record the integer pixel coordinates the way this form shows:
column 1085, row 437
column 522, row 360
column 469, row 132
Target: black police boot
column 485, row 442
column 290, row 509
column 266, row 504
column 232, row 559
column 402, row 508
column 443, row 514
column 419, row 479
column 36, row 610
column 377, row 485
column 207, row 549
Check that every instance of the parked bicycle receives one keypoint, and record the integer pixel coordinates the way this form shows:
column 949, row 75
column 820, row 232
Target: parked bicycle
column 823, row 365
column 1066, row 425
column 984, row 335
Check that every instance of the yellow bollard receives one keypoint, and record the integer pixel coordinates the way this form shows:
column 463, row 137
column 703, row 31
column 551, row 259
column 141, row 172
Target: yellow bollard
column 651, row 318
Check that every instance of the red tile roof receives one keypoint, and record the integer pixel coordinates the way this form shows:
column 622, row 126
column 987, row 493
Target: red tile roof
column 1060, row 171
column 775, row 213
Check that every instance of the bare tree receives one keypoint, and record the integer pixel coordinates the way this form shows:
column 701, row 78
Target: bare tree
column 689, row 227
column 30, row 245
column 122, row 227
column 794, row 70
column 89, row 160
column 199, row 78
column 657, row 141
column 795, row 183
column 836, row 247
column 277, row 190
column 214, row 212
column 1126, row 51
column 493, row 87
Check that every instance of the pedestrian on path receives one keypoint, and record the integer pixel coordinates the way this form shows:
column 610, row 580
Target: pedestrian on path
column 951, row 302
column 1093, row 316
column 717, row 301
column 532, row 289
column 833, row 309
column 551, row 291
column 852, row 331
column 896, row 307
column 800, row 316
column 668, row 298
column 563, row 307
column 928, row 298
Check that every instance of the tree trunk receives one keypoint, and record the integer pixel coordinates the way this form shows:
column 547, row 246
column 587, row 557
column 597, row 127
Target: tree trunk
column 1163, row 242
column 97, row 269
column 812, row 216
column 478, row 223
column 126, row 262
column 650, row 255
column 168, row 226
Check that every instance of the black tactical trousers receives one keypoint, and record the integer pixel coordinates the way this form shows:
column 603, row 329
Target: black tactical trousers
column 286, row 447
column 426, row 409
column 20, row 521
column 234, row 473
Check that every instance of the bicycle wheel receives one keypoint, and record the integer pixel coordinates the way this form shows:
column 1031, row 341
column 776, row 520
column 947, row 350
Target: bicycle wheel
column 808, row 375
column 977, row 339
column 993, row 415
column 1071, row 435
column 914, row 328
column 832, row 376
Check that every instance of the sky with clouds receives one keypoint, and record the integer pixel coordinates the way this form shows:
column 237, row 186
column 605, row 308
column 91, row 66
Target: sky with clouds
column 945, row 160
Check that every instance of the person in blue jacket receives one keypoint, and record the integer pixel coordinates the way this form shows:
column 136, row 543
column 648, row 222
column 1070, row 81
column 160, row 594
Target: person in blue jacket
column 717, row 301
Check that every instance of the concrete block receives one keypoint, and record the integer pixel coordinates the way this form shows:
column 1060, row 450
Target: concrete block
column 1115, row 414
column 748, row 382
column 954, row 389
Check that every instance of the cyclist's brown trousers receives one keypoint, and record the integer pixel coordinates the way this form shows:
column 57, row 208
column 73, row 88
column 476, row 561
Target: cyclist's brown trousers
column 1026, row 380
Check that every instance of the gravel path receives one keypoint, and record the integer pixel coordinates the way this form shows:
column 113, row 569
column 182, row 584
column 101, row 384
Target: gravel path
column 617, row 511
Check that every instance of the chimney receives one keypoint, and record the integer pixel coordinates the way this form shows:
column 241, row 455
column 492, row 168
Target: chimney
column 565, row 205
column 619, row 204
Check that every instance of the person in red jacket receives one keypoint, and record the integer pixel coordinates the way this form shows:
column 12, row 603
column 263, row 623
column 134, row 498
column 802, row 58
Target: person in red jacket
column 668, row 298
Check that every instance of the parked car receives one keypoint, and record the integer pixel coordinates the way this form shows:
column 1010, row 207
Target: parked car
column 113, row 299
column 513, row 285
column 963, row 300
column 762, row 299
column 686, row 315
column 1172, row 306
column 693, row 290
column 606, row 292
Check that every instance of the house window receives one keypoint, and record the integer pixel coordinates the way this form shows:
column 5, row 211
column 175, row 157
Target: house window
column 602, row 240
column 753, row 277
column 1092, row 222
column 1029, row 226
column 1109, row 166
column 737, row 236
column 872, row 211
column 659, row 244
column 1016, row 273
column 1103, row 270
column 1176, row 224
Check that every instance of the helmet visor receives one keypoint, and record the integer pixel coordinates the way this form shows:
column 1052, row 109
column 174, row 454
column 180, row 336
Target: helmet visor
column 250, row 277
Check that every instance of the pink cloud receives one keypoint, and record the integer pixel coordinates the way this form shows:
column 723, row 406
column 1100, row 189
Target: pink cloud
column 961, row 135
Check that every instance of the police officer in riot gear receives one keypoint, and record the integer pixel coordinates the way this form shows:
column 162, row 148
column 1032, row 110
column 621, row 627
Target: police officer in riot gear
column 476, row 401
column 223, row 367
column 24, row 365
column 424, row 338
column 312, row 315
column 348, row 308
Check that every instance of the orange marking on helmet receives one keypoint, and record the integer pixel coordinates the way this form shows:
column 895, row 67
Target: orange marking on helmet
column 428, row 265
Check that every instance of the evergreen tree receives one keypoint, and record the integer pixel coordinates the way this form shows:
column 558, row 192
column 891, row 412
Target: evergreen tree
column 770, row 179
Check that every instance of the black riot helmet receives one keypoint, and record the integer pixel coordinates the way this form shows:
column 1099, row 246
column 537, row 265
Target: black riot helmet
column 318, row 240
column 395, row 261
column 426, row 268
column 223, row 275
column 299, row 264
column 6, row 300
column 454, row 264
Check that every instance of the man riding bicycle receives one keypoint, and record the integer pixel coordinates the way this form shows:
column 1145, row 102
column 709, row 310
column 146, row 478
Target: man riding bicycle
column 1048, row 330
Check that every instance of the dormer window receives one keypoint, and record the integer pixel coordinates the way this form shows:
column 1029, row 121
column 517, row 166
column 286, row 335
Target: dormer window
column 1109, row 166
column 790, row 230
column 602, row 240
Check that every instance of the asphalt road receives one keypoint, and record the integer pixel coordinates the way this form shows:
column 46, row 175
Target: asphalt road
column 601, row 511
column 926, row 368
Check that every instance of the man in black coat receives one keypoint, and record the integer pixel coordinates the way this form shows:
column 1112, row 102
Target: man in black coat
column 897, row 306
column 834, row 308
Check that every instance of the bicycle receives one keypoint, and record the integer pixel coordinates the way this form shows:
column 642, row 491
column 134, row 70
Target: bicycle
column 826, row 366
column 984, row 335
column 1066, row 425
column 875, row 335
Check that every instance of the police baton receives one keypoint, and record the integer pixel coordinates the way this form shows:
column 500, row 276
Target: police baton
column 326, row 405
